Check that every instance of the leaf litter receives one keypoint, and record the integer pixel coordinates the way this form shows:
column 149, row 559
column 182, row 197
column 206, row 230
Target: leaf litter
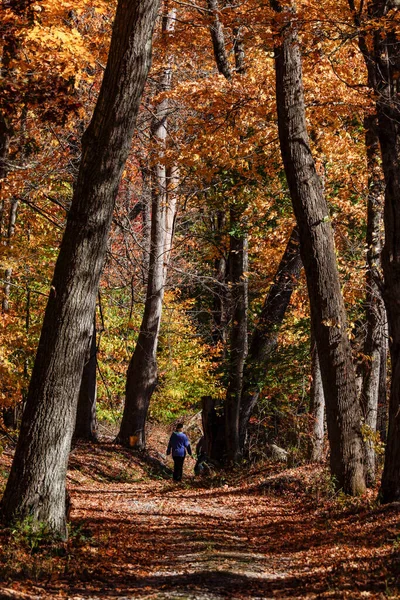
column 257, row 533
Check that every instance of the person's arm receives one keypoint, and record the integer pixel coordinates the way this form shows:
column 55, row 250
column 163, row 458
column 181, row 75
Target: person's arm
column 188, row 448
column 169, row 446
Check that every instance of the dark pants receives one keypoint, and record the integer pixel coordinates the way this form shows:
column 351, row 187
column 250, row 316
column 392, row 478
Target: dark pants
column 178, row 467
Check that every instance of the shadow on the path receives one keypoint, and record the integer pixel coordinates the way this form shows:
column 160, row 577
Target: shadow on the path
column 224, row 584
column 195, row 554
column 99, row 466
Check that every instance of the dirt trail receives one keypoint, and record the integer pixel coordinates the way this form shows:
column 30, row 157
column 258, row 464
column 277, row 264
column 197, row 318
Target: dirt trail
column 137, row 535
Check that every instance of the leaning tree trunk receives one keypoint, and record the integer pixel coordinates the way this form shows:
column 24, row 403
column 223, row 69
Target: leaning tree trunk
column 265, row 335
column 36, row 486
column 319, row 260
column 238, row 346
column 86, row 423
column 387, row 63
column 218, row 40
column 143, row 371
column 375, row 342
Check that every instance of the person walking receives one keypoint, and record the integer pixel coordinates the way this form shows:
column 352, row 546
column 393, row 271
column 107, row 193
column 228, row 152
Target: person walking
column 178, row 445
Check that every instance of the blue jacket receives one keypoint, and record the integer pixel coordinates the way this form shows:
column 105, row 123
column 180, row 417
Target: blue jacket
column 178, row 444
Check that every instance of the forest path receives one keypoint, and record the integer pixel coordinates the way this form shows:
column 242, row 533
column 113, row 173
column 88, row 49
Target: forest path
column 267, row 534
column 253, row 537
column 168, row 540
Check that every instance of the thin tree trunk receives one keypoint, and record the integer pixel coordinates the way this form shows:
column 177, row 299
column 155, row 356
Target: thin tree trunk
column 36, row 485
column 4, row 147
column 265, row 335
column 375, row 309
column 238, row 49
column 143, row 371
column 238, row 259
column 8, row 271
column 238, row 346
column 146, row 223
column 319, row 260
column 220, row 297
column 86, row 423
column 218, row 40
column 383, row 407
column 317, row 407
column 173, row 181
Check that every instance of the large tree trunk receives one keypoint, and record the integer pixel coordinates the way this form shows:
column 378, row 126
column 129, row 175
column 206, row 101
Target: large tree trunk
column 36, row 485
column 86, row 423
column 375, row 342
column 238, row 346
column 318, row 256
column 387, row 63
column 265, row 335
column 143, row 371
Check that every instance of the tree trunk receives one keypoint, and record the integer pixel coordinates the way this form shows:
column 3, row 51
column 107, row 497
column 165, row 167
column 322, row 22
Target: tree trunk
column 383, row 407
column 317, row 407
column 220, row 296
column 218, row 40
column 142, row 371
column 375, row 309
column 36, row 485
column 387, row 62
column 8, row 271
column 265, row 335
column 238, row 346
column 213, row 429
column 238, row 49
column 319, row 260
column 173, row 181
column 146, row 224
column 86, row 424
column 10, row 412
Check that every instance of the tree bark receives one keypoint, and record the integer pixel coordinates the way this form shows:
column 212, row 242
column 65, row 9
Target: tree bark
column 238, row 347
column 213, row 429
column 220, row 297
column 387, row 62
column 218, row 40
column 86, row 423
column 375, row 309
column 383, row 407
column 36, row 485
column 317, row 407
column 8, row 271
column 143, row 371
column 264, row 338
column 318, row 256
